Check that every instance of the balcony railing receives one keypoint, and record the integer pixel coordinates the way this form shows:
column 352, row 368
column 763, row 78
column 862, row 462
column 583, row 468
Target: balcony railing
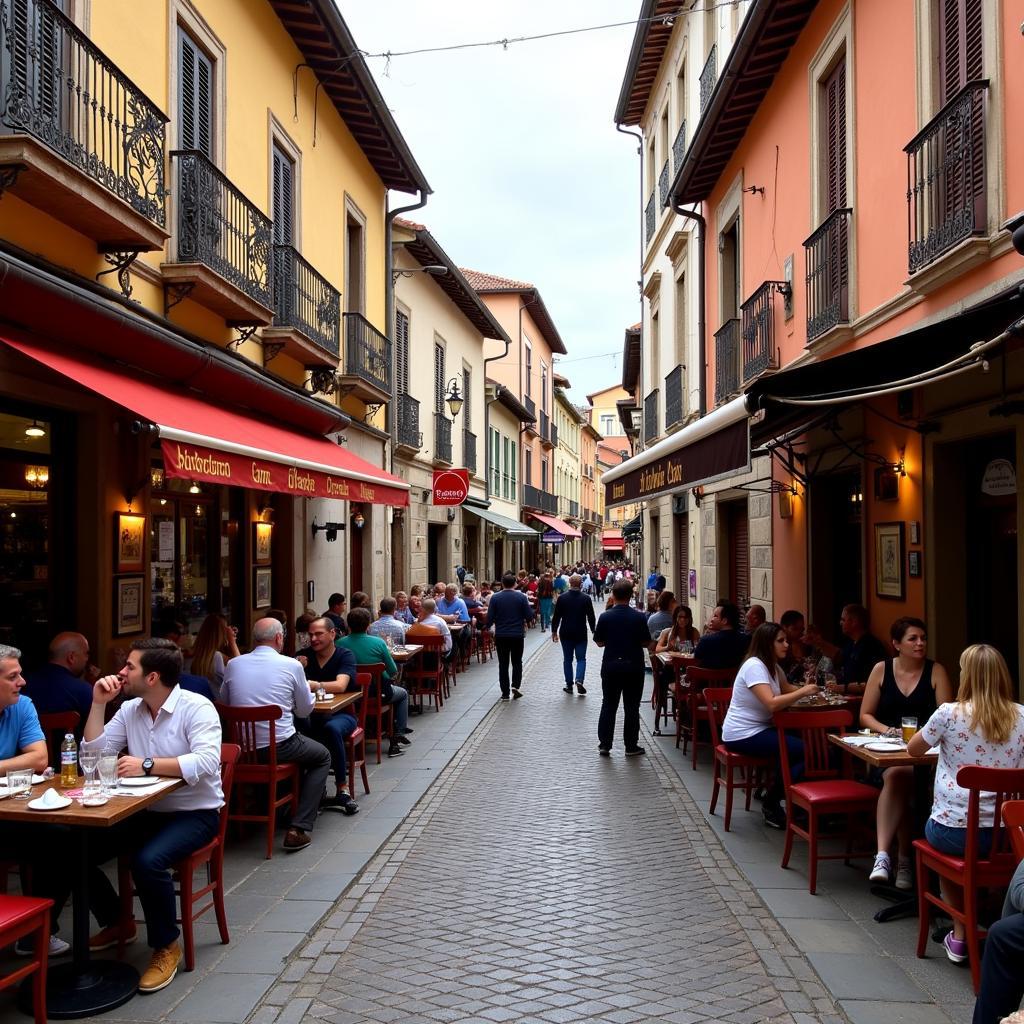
column 679, row 147
column 534, row 497
column 442, row 438
column 946, row 192
column 727, row 360
column 650, row 219
column 675, row 400
column 663, row 183
column 367, row 352
column 56, row 86
column 554, row 436
column 545, row 426
column 708, row 78
column 759, row 351
column 408, row 422
column 220, row 228
column 827, row 254
column 469, row 450
column 531, row 406
column 651, row 416
column 305, row 300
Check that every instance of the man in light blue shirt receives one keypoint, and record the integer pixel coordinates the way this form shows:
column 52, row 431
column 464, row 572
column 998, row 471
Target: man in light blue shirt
column 452, row 609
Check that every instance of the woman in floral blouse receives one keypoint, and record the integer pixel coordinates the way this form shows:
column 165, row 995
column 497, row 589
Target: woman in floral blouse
column 983, row 726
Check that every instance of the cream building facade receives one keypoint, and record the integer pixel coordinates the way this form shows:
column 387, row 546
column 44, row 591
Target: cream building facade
column 568, row 469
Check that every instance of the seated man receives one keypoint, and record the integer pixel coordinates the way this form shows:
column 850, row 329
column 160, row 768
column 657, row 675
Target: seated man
column 336, row 612
column 172, row 733
column 861, row 650
column 725, row 646
column 266, row 676
column 334, row 669
column 1002, row 964
column 60, row 684
column 402, row 610
column 429, row 622
column 369, row 650
column 388, row 624
column 453, row 609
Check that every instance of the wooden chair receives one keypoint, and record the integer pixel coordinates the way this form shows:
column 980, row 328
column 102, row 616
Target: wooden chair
column 424, row 675
column 697, row 679
column 355, row 742
column 822, row 790
column 483, row 638
column 378, row 717
column 751, row 769
column 1013, row 818
column 240, row 725
column 21, row 916
column 972, row 871
column 56, row 725
column 659, row 696
column 210, row 856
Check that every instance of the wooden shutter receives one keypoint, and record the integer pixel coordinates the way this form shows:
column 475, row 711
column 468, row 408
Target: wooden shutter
column 401, row 353
column 195, row 95
column 438, row 378
column 283, row 198
column 467, row 408
column 835, row 138
column 683, row 549
column 961, row 58
column 739, row 552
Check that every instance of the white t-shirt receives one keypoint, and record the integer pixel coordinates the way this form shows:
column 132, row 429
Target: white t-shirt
column 747, row 716
column 950, row 730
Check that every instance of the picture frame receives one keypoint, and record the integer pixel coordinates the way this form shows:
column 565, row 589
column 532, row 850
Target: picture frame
column 914, row 564
column 262, row 535
column 129, row 605
column 915, row 531
column 129, row 542
column 887, row 484
column 261, row 586
column 889, row 561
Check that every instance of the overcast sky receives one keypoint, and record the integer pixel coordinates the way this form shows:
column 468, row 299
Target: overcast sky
column 531, row 180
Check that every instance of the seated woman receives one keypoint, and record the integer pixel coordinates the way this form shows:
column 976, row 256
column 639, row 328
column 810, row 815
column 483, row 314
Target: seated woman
column 983, row 726
column 907, row 684
column 214, row 646
column 760, row 690
column 682, row 631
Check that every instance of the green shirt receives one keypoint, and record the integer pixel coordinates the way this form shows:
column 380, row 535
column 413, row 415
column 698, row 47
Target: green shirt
column 369, row 650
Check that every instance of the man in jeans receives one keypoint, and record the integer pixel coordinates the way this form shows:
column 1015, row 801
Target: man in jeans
column 266, row 676
column 509, row 612
column 574, row 611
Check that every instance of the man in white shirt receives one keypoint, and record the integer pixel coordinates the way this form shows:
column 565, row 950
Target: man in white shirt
column 430, row 618
column 266, row 676
column 171, row 733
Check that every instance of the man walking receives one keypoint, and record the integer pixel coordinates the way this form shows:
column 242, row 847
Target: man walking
column 509, row 612
column 622, row 632
column 574, row 611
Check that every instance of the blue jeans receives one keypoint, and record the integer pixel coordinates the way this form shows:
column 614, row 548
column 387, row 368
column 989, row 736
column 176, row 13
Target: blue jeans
column 574, row 649
column 953, row 841
column 333, row 733
column 546, row 604
column 766, row 744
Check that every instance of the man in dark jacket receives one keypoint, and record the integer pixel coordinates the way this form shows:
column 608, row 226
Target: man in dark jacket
column 509, row 612
column 574, row 611
column 622, row 632
column 725, row 646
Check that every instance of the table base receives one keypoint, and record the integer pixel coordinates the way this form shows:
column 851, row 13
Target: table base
column 102, row 986
column 903, row 903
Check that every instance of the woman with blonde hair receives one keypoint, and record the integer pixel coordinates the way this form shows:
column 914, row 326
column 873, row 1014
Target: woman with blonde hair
column 983, row 726
column 215, row 645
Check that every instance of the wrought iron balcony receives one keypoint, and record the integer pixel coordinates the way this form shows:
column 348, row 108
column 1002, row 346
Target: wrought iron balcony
column 545, row 429
column 827, row 255
column 531, row 408
column 222, row 244
column 727, row 360
column 78, row 138
column 663, row 183
column 367, row 360
column 675, row 399
column 708, row 78
column 679, row 147
column 759, row 351
column 554, row 436
column 442, row 438
column 946, row 187
column 305, row 303
column 469, row 450
column 650, row 219
column 534, row 497
column 651, row 416
column 407, row 416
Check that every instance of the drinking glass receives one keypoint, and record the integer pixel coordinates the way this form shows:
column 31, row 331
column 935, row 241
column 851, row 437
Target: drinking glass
column 19, row 783
column 687, row 647
column 108, row 772
column 909, row 723
column 89, row 759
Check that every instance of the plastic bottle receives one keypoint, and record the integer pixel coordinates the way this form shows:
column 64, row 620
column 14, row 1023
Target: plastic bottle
column 68, row 762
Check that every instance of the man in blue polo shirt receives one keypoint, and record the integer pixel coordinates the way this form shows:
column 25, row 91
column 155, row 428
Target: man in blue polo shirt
column 452, row 609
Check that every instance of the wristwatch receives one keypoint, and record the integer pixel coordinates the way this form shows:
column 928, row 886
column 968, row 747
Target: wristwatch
column 147, row 765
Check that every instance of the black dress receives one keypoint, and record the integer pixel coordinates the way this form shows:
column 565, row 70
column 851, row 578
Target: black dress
column 893, row 706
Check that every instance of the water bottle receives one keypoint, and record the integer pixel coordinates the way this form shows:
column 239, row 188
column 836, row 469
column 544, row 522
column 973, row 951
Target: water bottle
column 68, row 762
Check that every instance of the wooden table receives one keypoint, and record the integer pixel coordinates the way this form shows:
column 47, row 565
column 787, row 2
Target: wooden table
column 338, row 702
column 85, row 987
column 405, row 653
column 819, row 703
column 877, row 759
column 672, row 658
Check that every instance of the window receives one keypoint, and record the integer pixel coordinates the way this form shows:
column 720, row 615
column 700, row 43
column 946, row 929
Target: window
column 529, row 368
column 543, row 474
column 528, row 463
column 506, row 457
column 438, row 377
column 729, row 264
column 494, row 440
column 544, row 386
column 355, row 259
column 834, row 132
column 960, row 46
column 655, row 347
column 512, row 472
column 467, row 405
column 681, row 93
column 680, row 317
column 283, row 203
column 401, row 353
column 195, row 96
column 607, row 427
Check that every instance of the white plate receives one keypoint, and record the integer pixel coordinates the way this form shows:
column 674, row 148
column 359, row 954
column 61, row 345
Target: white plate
column 886, row 747
column 141, row 781
column 38, row 805
column 36, row 779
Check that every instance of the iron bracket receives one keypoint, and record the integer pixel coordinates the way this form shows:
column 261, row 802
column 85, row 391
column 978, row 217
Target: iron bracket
column 322, row 381
column 245, row 332
column 9, row 176
column 120, row 259
column 175, row 293
column 271, row 350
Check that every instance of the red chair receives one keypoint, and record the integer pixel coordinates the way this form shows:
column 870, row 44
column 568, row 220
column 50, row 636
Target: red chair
column 240, row 725
column 21, row 916
column 483, row 638
column 697, row 679
column 660, row 696
column 971, row 871
column 425, row 673
column 1013, row 818
column 752, row 770
column 56, row 725
column 822, row 790
column 378, row 717
column 210, row 856
column 355, row 742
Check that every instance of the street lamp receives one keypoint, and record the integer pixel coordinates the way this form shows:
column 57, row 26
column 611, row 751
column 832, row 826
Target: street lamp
column 454, row 398
column 433, row 269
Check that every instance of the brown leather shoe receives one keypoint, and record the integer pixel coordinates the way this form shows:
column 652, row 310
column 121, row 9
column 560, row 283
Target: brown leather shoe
column 107, row 938
column 296, row 839
column 162, row 968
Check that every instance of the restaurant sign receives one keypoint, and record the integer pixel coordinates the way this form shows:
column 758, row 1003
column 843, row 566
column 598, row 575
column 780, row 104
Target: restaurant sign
column 451, row 486
column 708, row 458
column 194, row 462
column 552, row 537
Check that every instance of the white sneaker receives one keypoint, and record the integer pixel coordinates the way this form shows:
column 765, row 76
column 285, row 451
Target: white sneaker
column 57, row 947
column 904, row 876
column 881, row 868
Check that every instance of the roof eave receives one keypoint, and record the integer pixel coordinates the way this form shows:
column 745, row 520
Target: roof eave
column 633, row 64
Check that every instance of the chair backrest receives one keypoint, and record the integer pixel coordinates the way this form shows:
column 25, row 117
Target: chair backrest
column 717, row 699
column 240, row 724
column 229, row 755
column 364, row 681
column 1006, row 784
column 813, row 728
column 698, row 678
column 1013, row 818
column 56, row 725
column 372, row 700
column 429, row 659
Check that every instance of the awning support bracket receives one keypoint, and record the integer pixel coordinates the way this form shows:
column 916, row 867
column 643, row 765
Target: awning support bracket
column 175, row 292
column 245, row 332
column 9, row 176
column 322, row 381
column 271, row 350
column 120, row 258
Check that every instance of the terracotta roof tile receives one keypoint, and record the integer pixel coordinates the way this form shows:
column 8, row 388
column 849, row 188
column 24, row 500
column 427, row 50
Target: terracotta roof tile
column 492, row 282
column 410, row 224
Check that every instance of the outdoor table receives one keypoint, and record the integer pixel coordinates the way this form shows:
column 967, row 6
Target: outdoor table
column 878, row 759
column 406, row 652
column 672, row 658
column 337, row 702
column 85, row 987
column 819, row 702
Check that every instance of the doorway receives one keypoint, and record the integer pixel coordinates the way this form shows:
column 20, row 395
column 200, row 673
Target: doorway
column 836, row 539
column 436, row 552
column 734, row 543
column 355, row 556
column 682, row 525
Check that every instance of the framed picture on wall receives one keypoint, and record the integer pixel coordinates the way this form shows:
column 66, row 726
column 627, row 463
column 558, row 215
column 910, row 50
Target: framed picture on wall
column 889, row 560
column 261, row 587
column 261, row 537
column 914, row 563
column 129, row 608
column 129, row 542
column 915, row 532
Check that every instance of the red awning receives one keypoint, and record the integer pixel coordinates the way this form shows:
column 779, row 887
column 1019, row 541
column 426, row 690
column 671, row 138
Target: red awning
column 611, row 540
column 558, row 525
column 215, row 444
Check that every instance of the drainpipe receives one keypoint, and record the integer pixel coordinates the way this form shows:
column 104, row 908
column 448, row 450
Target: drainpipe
column 702, row 327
